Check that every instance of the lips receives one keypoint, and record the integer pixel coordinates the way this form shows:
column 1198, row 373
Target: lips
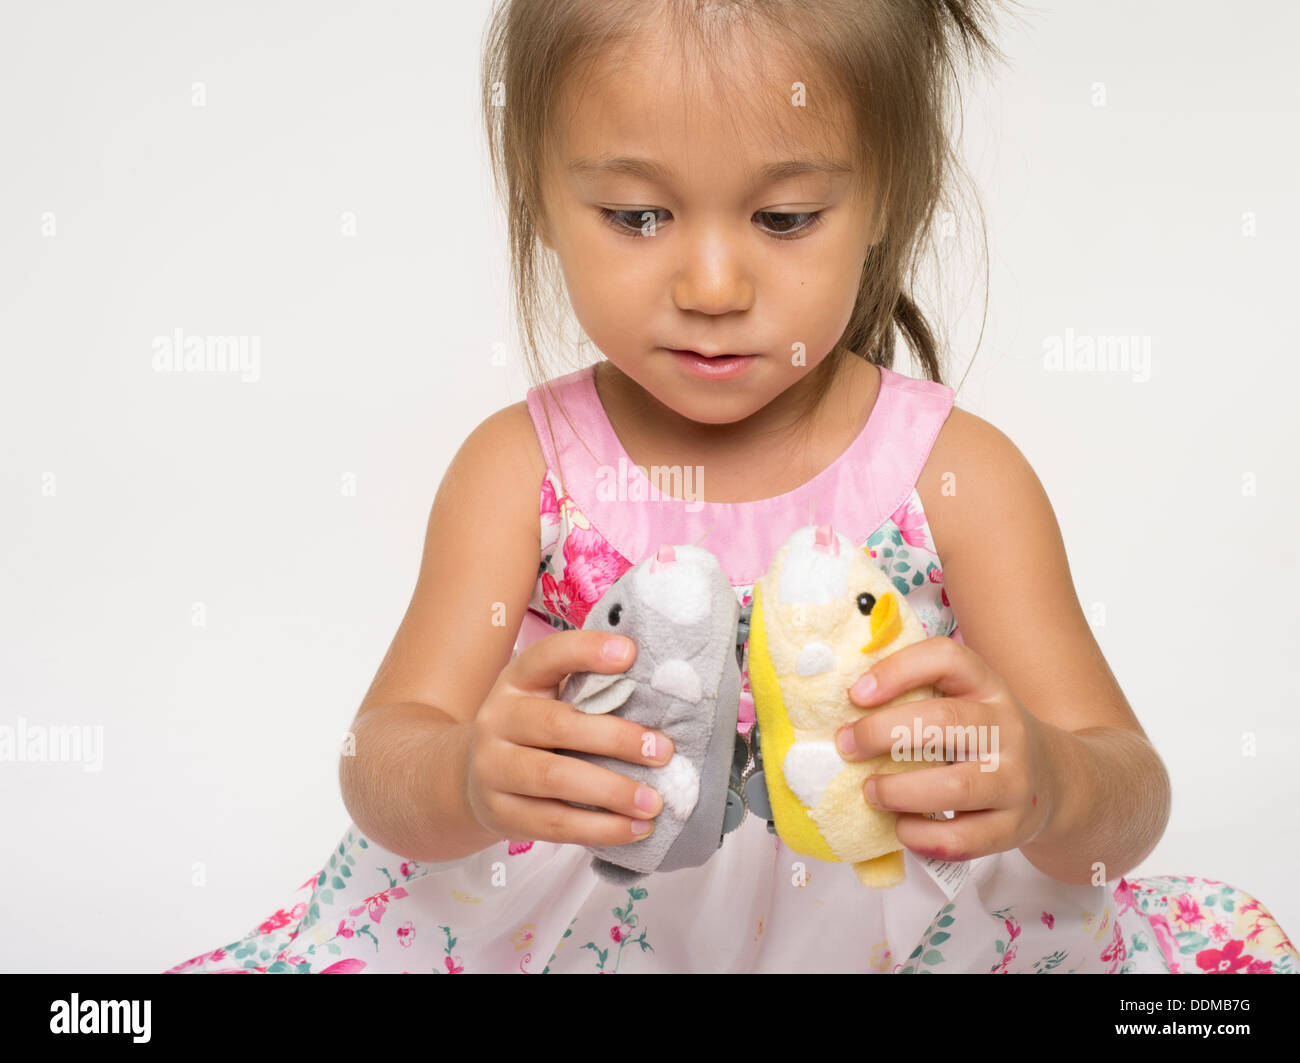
column 717, row 366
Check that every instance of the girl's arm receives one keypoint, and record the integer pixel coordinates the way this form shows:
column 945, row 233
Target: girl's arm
column 404, row 785
column 1008, row 581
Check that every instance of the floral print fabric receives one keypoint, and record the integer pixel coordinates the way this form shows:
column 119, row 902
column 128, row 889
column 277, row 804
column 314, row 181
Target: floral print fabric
column 536, row 907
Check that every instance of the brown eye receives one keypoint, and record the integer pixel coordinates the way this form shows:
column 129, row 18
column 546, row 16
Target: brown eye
column 791, row 225
column 866, row 602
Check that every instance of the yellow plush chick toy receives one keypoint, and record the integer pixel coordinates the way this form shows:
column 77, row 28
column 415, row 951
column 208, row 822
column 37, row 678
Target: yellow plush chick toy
column 823, row 614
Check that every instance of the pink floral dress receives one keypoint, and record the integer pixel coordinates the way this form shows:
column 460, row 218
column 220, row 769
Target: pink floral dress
column 755, row 906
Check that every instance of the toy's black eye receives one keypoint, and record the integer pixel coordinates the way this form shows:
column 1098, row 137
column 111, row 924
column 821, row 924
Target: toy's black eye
column 866, row 602
column 613, row 613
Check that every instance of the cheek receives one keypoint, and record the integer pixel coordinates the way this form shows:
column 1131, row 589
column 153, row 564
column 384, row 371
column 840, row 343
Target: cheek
column 593, row 274
column 816, row 298
column 608, row 296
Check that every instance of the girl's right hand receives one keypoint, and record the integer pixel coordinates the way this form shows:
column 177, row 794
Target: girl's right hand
column 517, row 787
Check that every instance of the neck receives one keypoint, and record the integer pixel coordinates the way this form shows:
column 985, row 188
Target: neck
column 784, row 414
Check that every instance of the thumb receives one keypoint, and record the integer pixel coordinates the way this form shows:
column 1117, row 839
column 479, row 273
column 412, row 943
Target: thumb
column 540, row 667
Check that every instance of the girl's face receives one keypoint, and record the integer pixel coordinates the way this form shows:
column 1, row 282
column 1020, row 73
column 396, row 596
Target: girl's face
column 692, row 245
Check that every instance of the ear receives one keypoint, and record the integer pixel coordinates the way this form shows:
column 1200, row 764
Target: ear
column 598, row 692
column 542, row 227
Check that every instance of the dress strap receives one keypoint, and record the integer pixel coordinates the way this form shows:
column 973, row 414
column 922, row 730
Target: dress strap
column 635, row 512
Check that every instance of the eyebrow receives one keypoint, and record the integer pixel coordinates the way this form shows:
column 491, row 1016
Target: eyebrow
column 654, row 171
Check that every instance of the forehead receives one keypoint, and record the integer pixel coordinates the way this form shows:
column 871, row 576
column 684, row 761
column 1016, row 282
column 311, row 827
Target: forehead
column 727, row 105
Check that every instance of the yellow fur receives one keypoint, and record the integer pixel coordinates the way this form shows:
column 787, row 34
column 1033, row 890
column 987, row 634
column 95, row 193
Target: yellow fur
column 793, row 824
column 795, row 706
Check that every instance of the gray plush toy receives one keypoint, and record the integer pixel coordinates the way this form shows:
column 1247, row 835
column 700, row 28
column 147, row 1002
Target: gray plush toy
column 680, row 610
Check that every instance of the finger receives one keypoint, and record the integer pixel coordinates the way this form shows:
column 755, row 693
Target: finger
column 554, row 821
column 926, row 729
column 948, row 666
column 967, row 837
column 545, row 723
column 540, row 666
column 956, row 787
column 538, row 773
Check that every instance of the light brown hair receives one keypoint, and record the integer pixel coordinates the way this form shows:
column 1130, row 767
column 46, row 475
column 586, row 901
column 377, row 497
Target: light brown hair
column 895, row 62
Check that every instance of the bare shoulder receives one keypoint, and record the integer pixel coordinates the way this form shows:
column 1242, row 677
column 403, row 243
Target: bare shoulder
column 1008, row 580
column 974, row 471
column 477, row 572
column 505, row 444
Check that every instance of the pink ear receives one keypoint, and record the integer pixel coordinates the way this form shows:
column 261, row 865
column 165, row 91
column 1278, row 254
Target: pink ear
column 665, row 557
column 825, row 540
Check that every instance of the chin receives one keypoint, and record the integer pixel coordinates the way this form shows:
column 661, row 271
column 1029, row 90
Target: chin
column 702, row 402
column 707, row 407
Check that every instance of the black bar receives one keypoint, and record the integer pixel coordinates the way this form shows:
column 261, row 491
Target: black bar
column 250, row 1013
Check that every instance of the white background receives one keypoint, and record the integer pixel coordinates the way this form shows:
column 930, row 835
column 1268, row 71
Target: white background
column 376, row 360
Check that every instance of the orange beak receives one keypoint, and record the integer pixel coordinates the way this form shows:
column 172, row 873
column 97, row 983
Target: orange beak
column 886, row 623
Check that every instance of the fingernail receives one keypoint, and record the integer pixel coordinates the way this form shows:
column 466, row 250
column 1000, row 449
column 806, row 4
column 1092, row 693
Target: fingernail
column 642, row 826
column 871, row 793
column 864, row 687
column 661, row 747
column 646, row 799
column 845, row 742
column 616, row 649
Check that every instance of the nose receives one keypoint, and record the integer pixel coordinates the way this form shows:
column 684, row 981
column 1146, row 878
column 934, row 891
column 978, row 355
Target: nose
column 713, row 278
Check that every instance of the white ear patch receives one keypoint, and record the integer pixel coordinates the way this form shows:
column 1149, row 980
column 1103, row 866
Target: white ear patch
column 814, row 659
column 678, row 678
column 813, row 577
column 677, row 590
column 809, row 768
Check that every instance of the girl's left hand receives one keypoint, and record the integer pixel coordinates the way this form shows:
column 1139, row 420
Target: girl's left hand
column 1000, row 804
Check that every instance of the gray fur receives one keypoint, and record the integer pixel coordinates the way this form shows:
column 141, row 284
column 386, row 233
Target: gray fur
column 685, row 612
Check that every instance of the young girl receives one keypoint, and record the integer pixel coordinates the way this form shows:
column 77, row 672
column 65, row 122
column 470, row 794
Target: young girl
column 733, row 195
